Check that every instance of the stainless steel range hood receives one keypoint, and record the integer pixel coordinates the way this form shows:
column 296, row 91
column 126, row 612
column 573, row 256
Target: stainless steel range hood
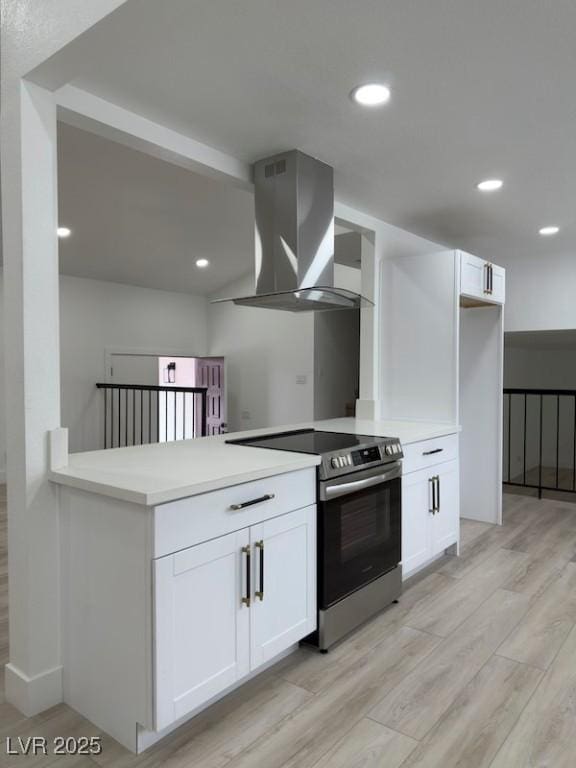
column 294, row 202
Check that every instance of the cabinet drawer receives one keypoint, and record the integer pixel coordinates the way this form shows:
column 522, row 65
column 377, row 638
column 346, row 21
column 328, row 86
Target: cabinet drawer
column 186, row 522
column 429, row 452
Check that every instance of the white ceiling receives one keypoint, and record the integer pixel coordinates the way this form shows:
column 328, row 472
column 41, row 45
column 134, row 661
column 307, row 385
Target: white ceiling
column 480, row 88
column 142, row 221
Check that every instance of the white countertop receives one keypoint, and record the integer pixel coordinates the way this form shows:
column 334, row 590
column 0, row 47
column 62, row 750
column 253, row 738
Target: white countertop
column 161, row 472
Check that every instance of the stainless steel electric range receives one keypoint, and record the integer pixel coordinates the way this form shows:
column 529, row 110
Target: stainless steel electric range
column 359, row 524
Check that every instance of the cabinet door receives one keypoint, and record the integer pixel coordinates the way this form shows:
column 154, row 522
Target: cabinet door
column 201, row 624
column 498, row 295
column 283, row 610
column 416, row 520
column 474, row 279
column 473, row 276
column 446, row 521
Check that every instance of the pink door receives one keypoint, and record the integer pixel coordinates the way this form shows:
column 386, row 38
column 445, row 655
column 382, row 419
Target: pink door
column 210, row 374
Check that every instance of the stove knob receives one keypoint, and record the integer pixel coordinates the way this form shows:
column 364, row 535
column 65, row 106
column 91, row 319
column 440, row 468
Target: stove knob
column 389, row 450
column 349, row 460
column 334, row 462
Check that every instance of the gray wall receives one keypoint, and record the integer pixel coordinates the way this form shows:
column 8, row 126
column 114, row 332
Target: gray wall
column 336, row 362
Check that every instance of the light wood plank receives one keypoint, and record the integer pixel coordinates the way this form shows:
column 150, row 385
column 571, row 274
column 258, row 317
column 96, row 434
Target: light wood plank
column 442, row 613
column 477, row 723
column 545, row 734
column 470, row 530
column 315, row 672
column 302, row 739
column 541, row 633
column 421, row 699
column 369, row 745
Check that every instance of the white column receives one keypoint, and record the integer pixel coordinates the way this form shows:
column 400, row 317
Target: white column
column 367, row 406
column 29, row 208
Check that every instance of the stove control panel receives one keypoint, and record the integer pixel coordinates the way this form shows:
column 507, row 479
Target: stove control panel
column 382, row 451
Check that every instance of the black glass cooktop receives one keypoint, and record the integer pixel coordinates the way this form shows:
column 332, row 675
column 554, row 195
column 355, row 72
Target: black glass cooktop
column 307, row 441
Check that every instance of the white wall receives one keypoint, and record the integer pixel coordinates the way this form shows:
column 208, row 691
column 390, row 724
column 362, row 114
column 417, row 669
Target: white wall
column 540, row 291
column 96, row 315
column 269, row 361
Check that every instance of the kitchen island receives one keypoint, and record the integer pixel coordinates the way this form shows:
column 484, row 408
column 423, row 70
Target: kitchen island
column 161, row 472
column 164, row 604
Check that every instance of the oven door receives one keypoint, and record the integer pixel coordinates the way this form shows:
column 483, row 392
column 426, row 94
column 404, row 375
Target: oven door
column 359, row 530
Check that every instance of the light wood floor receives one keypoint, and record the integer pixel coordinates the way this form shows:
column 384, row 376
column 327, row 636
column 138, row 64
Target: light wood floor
column 475, row 667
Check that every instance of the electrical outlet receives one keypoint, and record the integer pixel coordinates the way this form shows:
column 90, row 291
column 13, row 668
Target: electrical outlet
column 301, row 378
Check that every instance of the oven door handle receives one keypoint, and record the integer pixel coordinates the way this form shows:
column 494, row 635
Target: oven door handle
column 344, row 489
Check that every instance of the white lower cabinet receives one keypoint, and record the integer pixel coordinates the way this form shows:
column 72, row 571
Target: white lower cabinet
column 416, row 527
column 430, row 514
column 446, row 520
column 284, row 606
column 225, row 607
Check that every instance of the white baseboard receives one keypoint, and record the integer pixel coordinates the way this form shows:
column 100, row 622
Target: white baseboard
column 32, row 695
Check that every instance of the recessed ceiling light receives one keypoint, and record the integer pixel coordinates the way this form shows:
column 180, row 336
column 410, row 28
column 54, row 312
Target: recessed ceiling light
column 63, row 232
column 371, row 94
column 489, row 185
column 549, row 230
column 202, row 263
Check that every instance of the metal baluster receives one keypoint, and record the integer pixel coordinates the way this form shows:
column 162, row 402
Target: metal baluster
column 509, row 434
column 557, row 441
column 525, row 427
column 175, row 434
column 540, row 453
column 133, row 417
column 183, row 415
column 141, row 417
column 106, row 418
column 574, row 461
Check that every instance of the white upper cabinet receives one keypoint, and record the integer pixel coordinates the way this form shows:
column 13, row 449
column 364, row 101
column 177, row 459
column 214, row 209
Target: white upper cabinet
column 481, row 280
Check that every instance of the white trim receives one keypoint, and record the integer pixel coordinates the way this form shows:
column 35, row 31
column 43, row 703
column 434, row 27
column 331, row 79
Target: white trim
column 58, row 443
column 32, row 695
column 91, row 113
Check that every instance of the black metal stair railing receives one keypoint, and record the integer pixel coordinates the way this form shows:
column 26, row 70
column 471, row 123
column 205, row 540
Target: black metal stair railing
column 540, row 439
column 136, row 414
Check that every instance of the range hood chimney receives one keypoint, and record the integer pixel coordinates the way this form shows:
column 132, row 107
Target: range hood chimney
column 294, row 203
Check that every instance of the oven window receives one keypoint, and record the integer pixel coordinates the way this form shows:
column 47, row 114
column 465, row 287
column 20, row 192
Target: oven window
column 362, row 526
column 359, row 539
